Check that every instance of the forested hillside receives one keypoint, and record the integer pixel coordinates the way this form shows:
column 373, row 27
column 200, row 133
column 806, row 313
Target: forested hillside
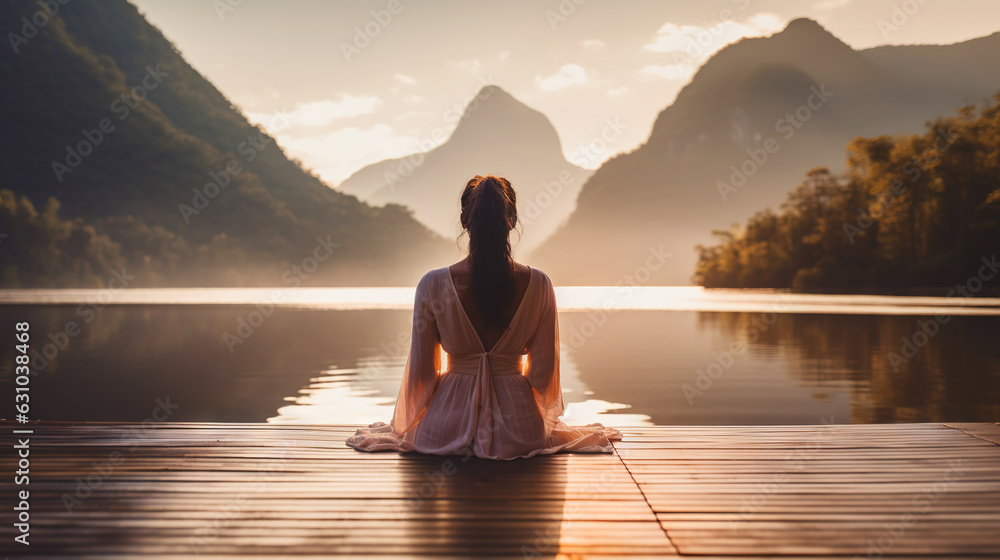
column 150, row 166
column 753, row 119
column 912, row 211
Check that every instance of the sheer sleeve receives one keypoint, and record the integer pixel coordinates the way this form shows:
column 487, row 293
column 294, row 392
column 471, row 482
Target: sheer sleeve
column 543, row 361
column 420, row 376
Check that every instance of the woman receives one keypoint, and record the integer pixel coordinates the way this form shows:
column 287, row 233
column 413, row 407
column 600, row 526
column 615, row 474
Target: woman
column 486, row 312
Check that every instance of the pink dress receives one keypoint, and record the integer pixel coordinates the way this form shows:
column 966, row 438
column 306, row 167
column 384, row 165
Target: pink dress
column 483, row 402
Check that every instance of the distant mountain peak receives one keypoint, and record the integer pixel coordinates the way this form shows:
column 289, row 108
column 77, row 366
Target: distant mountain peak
column 495, row 113
column 497, row 134
column 804, row 23
column 807, row 30
column 491, row 97
column 493, row 89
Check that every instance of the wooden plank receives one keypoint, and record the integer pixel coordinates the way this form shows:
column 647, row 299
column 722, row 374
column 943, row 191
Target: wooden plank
column 987, row 432
column 271, row 490
column 824, row 491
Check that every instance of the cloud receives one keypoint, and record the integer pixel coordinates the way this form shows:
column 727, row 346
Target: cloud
column 322, row 113
column 568, row 75
column 336, row 155
column 593, row 43
column 698, row 43
column 403, row 78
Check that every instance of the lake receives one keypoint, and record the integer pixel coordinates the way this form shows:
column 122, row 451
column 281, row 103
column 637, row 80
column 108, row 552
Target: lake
column 631, row 355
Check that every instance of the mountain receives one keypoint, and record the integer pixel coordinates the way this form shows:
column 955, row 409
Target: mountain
column 943, row 73
column 935, row 233
column 499, row 135
column 753, row 120
column 152, row 167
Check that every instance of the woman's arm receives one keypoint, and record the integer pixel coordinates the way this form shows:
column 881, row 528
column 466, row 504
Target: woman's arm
column 543, row 360
column 420, row 376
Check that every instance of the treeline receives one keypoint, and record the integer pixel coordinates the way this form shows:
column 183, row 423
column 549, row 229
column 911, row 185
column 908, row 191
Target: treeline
column 61, row 252
column 910, row 212
column 154, row 169
column 42, row 249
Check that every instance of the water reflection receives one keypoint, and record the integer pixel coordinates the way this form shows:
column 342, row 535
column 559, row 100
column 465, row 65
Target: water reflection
column 129, row 356
column 681, row 368
column 368, row 394
column 896, row 368
column 631, row 367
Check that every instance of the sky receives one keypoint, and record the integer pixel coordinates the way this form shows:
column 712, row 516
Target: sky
column 344, row 84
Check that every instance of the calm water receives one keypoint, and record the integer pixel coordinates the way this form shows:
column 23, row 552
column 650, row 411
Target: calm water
column 656, row 355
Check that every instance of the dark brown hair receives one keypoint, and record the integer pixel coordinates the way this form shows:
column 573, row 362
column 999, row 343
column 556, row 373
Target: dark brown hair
column 489, row 213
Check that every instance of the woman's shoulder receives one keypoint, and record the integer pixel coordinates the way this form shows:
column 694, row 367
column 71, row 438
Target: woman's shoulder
column 432, row 287
column 433, row 275
column 540, row 275
column 432, row 279
column 436, row 275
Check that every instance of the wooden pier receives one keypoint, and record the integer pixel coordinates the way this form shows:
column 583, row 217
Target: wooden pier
column 235, row 490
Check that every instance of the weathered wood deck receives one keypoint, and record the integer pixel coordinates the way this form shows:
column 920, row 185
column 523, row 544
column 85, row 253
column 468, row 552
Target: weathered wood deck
column 234, row 490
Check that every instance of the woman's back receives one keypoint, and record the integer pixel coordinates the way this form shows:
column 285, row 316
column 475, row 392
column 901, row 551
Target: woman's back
column 440, row 306
column 489, row 334
column 488, row 314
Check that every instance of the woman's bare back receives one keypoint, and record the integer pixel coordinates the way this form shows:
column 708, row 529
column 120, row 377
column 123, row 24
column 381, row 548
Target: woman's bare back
column 461, row 275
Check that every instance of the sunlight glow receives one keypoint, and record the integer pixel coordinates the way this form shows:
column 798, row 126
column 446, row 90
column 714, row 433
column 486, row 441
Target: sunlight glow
column 335, row 397
column 595, row 410
column 570, row 298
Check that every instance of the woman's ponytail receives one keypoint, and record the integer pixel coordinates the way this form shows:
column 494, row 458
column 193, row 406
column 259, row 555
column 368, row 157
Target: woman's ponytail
column 489, row 213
